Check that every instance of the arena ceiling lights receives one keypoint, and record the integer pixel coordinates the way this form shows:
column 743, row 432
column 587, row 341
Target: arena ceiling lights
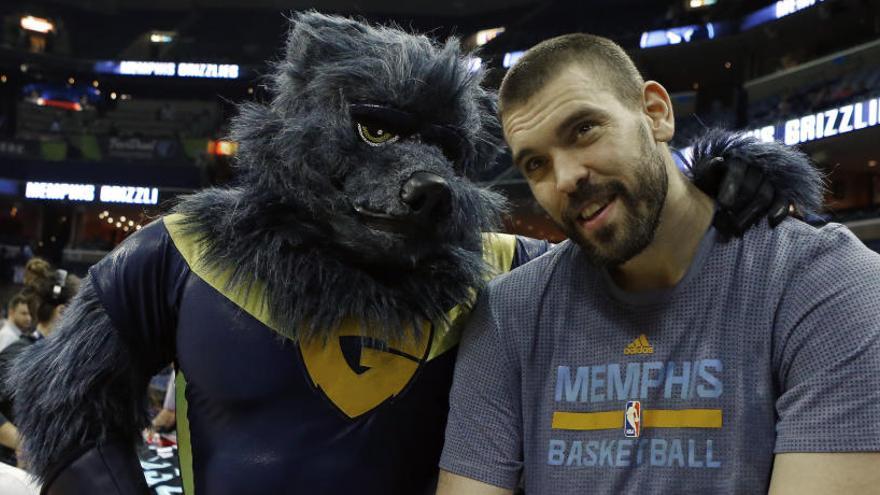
column 37, row 24
column 486, row 35
column 162, row 37
column 699, row 4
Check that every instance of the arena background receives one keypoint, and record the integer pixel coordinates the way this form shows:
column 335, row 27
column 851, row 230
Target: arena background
column 109, row 109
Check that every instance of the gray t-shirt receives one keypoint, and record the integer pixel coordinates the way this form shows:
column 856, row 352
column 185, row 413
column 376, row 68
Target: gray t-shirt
column 769, row 344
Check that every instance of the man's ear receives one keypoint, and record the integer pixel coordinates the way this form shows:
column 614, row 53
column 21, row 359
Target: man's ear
column 658, row 110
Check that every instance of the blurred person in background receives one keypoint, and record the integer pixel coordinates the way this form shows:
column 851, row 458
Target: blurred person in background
column 18, row 322
column 35, row 270
column 166, row 420
column 50, row 292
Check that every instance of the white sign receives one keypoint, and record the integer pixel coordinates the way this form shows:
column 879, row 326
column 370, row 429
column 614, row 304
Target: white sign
column 766, row 134
column 786, row 7
column 213, row 71
column 51, row 190
column 170, row 69
column 831, row 122
column 135, row 68
column 129, row 195
column 86, row 192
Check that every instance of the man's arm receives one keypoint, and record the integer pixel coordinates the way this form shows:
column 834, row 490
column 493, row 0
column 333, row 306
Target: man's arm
column 826, row 354
column 819, row 474
column 484, row 427
column 453, row 484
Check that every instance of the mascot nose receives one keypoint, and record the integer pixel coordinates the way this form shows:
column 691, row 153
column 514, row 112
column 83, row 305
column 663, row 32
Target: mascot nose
column 427, row 194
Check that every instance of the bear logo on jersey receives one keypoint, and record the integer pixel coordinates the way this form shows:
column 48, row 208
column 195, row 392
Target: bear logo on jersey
column 357, row 373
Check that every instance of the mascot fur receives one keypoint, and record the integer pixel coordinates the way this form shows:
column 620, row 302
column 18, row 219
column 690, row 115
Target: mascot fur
column 312, row 309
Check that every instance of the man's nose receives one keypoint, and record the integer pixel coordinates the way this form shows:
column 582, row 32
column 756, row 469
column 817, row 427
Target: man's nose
column 569, row 172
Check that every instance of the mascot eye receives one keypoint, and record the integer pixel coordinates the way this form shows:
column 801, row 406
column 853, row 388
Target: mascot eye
column 376, row 136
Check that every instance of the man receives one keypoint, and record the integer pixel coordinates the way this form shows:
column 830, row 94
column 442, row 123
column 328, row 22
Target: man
column 19, row 321
column 647, row 354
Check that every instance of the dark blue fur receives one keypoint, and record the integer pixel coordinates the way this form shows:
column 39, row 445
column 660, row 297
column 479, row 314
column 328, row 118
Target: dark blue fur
column 791, row 172
column 76, row 388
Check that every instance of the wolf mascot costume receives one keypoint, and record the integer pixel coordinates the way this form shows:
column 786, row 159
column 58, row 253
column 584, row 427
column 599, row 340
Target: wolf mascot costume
column 312, row 309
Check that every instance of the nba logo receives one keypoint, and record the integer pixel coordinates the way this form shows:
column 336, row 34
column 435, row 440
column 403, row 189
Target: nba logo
column 632, row 419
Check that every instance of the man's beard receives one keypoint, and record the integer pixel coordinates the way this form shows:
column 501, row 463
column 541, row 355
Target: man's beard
column 616, row 243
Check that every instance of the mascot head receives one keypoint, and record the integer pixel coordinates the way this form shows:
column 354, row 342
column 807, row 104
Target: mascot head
column 353, row 198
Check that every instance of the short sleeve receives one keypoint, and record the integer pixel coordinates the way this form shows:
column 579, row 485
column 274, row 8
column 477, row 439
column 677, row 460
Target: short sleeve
column 528, row 249
column 484, row 430
column 827, row 352
column 140, row 285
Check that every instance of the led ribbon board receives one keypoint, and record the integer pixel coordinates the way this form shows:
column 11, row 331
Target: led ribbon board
column 775, row 11
column 677, row 35
column 819, row 125
column 52, row 190
column 86, row 192
column 168, row 69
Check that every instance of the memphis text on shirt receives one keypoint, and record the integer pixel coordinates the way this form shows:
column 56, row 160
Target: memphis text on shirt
column 611, row 386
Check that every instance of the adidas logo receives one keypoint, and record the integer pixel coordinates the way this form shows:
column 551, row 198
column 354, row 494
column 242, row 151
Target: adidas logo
column 639, row 346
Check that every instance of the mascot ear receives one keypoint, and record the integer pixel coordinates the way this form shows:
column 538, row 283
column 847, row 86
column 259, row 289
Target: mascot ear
column 315, row 38
column 490, row 137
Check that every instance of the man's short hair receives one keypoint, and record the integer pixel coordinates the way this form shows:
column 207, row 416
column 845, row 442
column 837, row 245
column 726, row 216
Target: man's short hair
column 19, row 298
column 542, row 63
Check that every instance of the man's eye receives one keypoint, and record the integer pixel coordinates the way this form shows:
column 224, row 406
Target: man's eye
column 534, row 164
column 584, row 128
column 376, row 136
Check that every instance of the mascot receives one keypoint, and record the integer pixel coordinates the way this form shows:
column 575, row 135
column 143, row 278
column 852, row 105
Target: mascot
column 312, row 309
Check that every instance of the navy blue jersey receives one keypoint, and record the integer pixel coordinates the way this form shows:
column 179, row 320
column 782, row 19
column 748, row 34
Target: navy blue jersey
column 260, row 413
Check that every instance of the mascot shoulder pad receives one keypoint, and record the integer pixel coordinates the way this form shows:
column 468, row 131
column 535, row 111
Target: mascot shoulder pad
column 498, row 252
column 249, row 296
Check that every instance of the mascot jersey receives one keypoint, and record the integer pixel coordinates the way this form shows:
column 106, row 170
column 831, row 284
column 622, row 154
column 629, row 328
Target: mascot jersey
column 254, row 408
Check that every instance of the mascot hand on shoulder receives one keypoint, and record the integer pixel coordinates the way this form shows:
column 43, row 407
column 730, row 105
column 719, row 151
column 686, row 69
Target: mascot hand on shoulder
column 311, row 309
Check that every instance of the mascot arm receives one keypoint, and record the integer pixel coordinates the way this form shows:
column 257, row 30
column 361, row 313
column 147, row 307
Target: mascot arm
column 80, row 394
column 751, row 179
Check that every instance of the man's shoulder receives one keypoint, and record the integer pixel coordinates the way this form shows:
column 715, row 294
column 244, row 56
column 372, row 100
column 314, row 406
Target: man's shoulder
column 808, row 260
column 7, row 336
column 832, row 244
column 796, row 244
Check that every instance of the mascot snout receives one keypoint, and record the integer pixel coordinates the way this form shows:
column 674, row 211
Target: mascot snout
column 428, row 195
